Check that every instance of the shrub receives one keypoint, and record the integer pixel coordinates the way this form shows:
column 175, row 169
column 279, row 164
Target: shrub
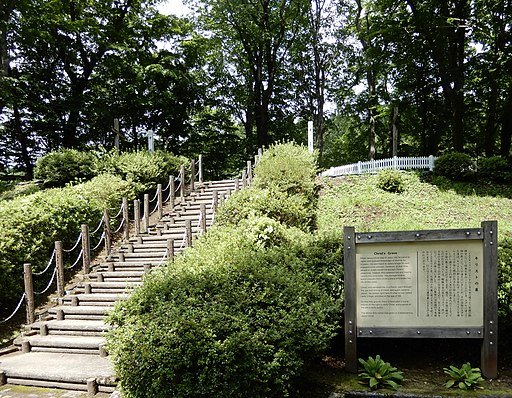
column 494, row 168
column 505, row 281
column 288, row 210
column 288, row 168
column 228, row 319
column 58, row 168
column 30, row 225
column 456, row 166
column 142, row 168
column 390, row 181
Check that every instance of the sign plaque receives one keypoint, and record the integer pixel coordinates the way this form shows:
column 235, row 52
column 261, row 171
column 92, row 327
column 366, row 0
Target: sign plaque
column 414, row 284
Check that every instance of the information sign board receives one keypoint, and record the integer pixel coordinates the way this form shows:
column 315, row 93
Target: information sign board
column 437, row 284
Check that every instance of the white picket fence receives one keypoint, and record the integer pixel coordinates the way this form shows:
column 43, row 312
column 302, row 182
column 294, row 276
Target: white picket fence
column 373, row 166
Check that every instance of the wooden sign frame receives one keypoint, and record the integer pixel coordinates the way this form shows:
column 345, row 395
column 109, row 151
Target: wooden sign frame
column 487, row 332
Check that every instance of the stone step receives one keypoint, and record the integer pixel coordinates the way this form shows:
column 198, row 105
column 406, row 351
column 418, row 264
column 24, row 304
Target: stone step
column 62, row 343
column 99, row 299
column 59, row 370
column 85, row 312
column 74, row 326
column 109, row 287
column 127, row 276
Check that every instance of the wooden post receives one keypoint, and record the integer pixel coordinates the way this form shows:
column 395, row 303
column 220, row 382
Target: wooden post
column 126, row 220
column 108, row 236
column 172, row 192
column 182, row 183
column 3, row 378
column 215, row 201
column 145, row 220
column 136, row 214
column 192, row 174
column 200, row 169
column 203, row 217
column 59, row 263
column 249, row 173
column 29, row 292
column 244, row 179
column 92, row 386
column 237, row 183
column 170, row 249
column 159, row 200
column 489, row 352
column 86, row 249
column 260, row 153
column 188, row 233
column 350, row 304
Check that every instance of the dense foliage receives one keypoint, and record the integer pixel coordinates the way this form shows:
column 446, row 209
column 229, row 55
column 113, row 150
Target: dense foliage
column 58, row 168
column 455, row 166
column 240, row 312
column 30, row 224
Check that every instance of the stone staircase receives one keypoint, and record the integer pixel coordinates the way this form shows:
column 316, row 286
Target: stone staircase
column 65, row 348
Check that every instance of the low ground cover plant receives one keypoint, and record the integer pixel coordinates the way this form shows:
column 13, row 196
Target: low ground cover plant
column 464, row 378
column 377, row 374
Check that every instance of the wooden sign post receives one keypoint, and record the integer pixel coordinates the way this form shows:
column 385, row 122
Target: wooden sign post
column 422, row 284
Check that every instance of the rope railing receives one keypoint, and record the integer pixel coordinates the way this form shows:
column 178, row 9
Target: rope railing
column 47, row 266
column 102, row 238
column 154, row 198
column 120, row 211
column 77, row 259
column 118, row 229
column 98, row 227
column 16, row 310
column 78, row 240
column 49, row 283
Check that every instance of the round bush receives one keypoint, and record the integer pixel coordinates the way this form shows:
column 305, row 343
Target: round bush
column 58, row 168
column 288, row 210
column 494, row 168
column 228, row 319
column 390, row 181
column 455, row 166
column 288, row 168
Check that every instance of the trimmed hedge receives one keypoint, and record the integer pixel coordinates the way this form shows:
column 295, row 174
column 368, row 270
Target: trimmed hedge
column 239, row 313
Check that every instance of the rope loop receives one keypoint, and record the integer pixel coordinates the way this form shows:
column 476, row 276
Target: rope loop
column 49, row 283
column 47, row 266
column 75, row 245
column 16, row 310
column 77, row 259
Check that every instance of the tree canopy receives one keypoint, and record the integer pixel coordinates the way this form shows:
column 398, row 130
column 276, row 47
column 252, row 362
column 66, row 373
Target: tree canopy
column 378, row 78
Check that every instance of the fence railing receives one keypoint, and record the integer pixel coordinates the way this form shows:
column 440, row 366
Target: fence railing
column 373, row 166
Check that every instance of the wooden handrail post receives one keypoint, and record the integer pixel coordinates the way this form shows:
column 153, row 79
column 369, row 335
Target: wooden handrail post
column 170, row 249
column 244, row 179
column 172, row 192
column 126, row 220
column 201, row 180
column 249, row 173
column 86, row 249
column 29, row 292
column 182, row 183
column 237, row 183
column 159, row 200
column 192, row 174
column 215, row 201
column 188, row 233
column 145, row 224
column 203, row 217
column 136, row 214
column 108, row 236
column 59, row 263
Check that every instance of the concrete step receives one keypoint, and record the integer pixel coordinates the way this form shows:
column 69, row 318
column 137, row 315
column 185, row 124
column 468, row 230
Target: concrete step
column 62, row 343
column 72, row 327
column 127, row 276
column 85, row 312
column 100, row 299
column 108, row 287
column 59, row 370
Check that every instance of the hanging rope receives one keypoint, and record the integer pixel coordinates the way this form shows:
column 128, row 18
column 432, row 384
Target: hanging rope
column 77, row 259
column 154, row 197
column 182, row 245
column 47, row 266
column 75, row 245
column 120, row 211
column 98, row 227
column 120, row 226
column 49, row 283
column 102, row 237
column 154, row 210
column 16, row 310
column 162, row 260
column 168, row 186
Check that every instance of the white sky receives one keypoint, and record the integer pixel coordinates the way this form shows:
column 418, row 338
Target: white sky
column 175, row 7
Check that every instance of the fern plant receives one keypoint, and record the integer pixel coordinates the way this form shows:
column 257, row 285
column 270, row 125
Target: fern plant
column 378, row 374
column 465, row 378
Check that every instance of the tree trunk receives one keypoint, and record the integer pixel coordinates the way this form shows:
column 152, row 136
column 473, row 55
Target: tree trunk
column 22, row 139
column 490, row 123
column 372, row 100
column 506, row 126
